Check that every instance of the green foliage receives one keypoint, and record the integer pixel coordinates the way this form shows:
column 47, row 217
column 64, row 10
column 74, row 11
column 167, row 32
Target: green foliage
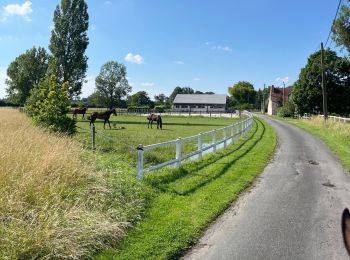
column 307, row 92
column 341, row 26
column 140, row 99
column 48, row 106
column 159, row 109
column 180, row 90
column 68, row 44
column 243, row 92
column 287, row 110
column 26, row 71
column 160, row 99
column 96, row 100
column 111, row 84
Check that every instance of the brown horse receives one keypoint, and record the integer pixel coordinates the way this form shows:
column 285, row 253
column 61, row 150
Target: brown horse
column 102, row 115
column 158, row 119
column 79, row 111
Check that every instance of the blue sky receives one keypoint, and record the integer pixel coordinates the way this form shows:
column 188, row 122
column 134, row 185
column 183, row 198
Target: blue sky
column 207, row 45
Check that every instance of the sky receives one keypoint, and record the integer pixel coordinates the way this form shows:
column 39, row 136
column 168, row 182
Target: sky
column 206, row 45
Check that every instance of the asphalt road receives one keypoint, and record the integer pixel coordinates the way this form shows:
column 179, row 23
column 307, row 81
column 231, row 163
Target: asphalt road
column 292, row 212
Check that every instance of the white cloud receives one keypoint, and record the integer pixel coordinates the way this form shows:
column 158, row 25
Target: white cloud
column 179, row 62
column 222, row 48
column 207, row 43
column 285, row 79
column 3, row 77
column 16, row 9
column 196, row 79
column 137, row 58
column 148, row 84
column 108, row 2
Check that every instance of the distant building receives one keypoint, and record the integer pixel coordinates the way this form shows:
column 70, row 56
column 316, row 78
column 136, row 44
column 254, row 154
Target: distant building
column 200, row 102
column 276, row 98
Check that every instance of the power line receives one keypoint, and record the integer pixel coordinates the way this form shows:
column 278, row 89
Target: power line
column 335, row 17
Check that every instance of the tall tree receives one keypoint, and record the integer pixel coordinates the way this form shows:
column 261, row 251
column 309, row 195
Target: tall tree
column 180, row 90
column 111, row 83
column 307, row 92
column 140, row 98
column 243, row 92
column 68, row 43
column 341, row 27
column 160, row 99
column 25, row 72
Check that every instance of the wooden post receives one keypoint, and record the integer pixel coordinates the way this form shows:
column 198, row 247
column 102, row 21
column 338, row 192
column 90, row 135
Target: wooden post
column 139, row 162
column 200, row 148
column 214, row 140
column 178, row 152
column 93, row 132
column 233, row 133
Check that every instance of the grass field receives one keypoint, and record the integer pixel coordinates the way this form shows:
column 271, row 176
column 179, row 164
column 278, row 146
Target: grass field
column 335, row 134
column 129, row 131
column 184, row 201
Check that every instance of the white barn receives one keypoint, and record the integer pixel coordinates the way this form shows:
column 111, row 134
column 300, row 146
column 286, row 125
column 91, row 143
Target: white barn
column 199, row 102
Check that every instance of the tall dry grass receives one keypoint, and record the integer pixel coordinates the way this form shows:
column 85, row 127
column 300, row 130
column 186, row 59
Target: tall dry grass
column 338, row 128
column 52, row 205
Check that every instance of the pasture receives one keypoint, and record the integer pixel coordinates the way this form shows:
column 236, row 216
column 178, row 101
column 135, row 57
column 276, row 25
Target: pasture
column 128, row 132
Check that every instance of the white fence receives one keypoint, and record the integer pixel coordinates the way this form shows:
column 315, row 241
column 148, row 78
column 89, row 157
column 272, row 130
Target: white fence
column 338, row 119
column 230, row 134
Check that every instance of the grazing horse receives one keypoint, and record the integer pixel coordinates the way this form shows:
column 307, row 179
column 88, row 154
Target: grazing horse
column 158, row 119
column 102, row 115
column 79, row 111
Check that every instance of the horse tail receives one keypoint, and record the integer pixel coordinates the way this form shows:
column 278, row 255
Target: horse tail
column 160, row 122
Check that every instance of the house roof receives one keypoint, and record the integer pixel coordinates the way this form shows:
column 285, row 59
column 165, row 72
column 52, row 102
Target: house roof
column 200, row 99
column 277, row 93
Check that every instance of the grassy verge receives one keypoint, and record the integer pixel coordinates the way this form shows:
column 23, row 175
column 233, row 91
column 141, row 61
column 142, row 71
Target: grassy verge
column 54, row 203
column 186, row 200
column 335, row 134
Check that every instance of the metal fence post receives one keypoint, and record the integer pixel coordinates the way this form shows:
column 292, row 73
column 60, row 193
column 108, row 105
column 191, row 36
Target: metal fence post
column 200, row 143
column 225, row 137
column 214, row 140
column 178, row 152
column 93, row 132
column 139, row 162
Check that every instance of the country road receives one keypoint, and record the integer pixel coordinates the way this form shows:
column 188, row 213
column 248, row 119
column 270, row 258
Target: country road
column 292, row 212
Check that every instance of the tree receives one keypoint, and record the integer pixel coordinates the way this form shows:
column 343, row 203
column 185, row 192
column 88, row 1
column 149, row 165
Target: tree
column 160, row 99
column 111, row 83
column 68, row 43
column 48, row 105
column 341, row 27
column 140, row 98
column 243, row 92
column 307, row 92
column 26, row 71
column 180, row 90
column 96, row 100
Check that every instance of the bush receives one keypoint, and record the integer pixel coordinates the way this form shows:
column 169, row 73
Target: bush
column 287, row 110
column 48, row 105
column 159, row 109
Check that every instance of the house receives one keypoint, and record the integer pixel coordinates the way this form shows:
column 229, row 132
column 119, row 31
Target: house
column 199, row 102
column 278, row 95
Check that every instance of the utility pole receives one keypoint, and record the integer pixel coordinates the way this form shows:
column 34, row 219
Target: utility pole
column 324, row 90
column 284, row 86
column 264, row 100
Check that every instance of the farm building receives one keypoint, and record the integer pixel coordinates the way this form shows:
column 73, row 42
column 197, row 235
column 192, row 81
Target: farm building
column 200, row 102
column 277, row 96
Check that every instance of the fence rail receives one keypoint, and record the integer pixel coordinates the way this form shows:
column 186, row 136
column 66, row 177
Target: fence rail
column 230, row 134
column 338, row 118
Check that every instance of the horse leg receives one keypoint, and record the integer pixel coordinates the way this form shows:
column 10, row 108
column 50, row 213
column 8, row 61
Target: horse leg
column 151, row 124
column 83, row 116
column 109, row 124
column 148, row 124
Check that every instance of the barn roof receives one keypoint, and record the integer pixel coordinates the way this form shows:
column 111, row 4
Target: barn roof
column 200, row 99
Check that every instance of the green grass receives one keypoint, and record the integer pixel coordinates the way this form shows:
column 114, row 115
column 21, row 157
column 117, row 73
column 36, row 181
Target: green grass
column 129, row 131
column 336, row 135
column 182, row 202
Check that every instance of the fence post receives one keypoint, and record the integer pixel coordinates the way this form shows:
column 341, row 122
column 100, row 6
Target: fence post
column 178, row 152
column 214, row 140
column 200, row 143
column 93, row 132
column 225, row 137
column 139, row 162
column 233, row 133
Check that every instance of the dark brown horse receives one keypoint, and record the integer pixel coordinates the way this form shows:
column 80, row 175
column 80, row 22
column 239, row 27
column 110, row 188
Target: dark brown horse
column 79, row 111
column 157, row 118
column 102, row 115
